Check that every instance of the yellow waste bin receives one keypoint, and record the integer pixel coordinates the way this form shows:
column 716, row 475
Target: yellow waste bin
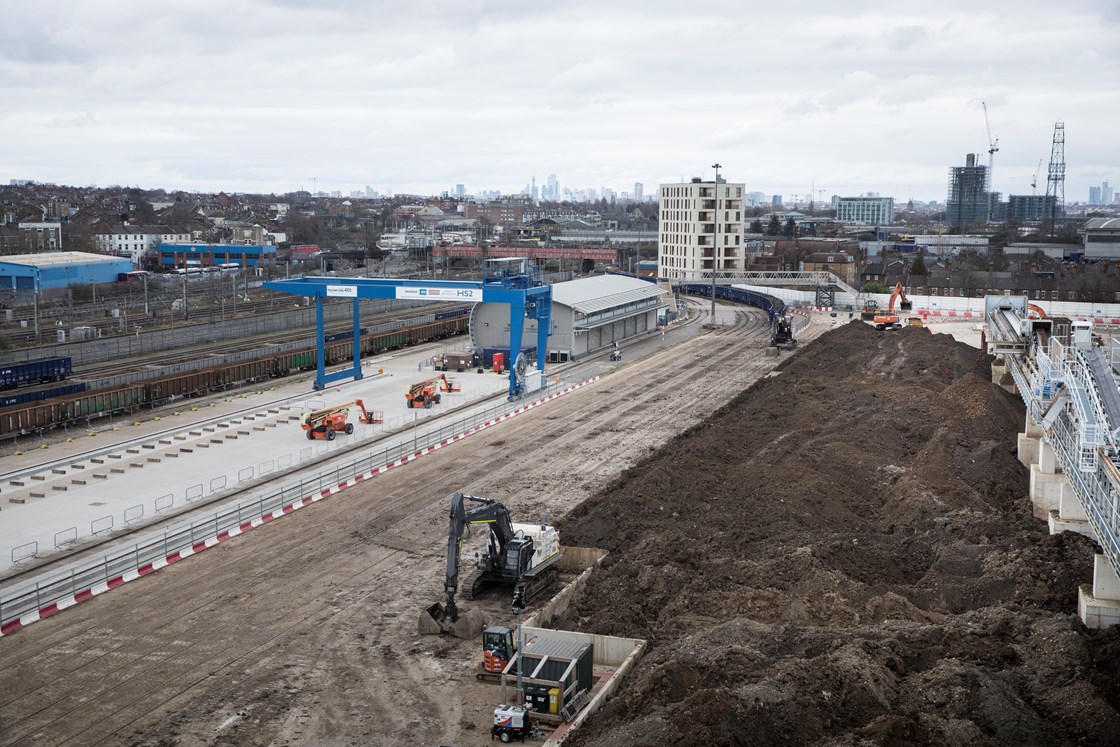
column 554, row 700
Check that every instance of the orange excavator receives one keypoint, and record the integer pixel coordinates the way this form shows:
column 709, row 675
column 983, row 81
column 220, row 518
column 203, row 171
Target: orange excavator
column 889, row 320
column 327, row 422
column 426, row 393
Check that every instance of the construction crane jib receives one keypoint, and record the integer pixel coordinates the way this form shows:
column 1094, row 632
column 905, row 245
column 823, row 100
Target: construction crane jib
column 993, row 148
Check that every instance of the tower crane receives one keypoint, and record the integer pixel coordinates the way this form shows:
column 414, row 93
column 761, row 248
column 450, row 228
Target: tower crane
column 1034, row 179
column 993, row 148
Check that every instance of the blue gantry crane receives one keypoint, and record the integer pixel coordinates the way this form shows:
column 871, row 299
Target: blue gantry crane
column 525, row 296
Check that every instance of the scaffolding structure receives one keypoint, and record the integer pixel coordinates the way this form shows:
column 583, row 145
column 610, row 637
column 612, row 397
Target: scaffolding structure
column 967, row 204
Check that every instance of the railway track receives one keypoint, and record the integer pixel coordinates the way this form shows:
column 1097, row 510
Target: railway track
column 220, row 348
column 245, row 631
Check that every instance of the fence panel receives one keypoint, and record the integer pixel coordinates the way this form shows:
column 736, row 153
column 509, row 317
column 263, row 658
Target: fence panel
column 25, row 552
column 65, row 537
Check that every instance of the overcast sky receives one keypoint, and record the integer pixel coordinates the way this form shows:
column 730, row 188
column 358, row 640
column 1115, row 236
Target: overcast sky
column 275, row 95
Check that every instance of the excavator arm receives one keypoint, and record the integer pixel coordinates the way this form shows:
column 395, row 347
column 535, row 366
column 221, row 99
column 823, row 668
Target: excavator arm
column 899, row 295
column 485, row 511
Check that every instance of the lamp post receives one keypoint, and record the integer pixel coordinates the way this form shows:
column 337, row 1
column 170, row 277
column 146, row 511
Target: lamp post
column 715, row 242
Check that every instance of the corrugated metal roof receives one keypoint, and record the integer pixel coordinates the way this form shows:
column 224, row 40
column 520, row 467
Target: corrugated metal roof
column 56, row 259
column 601, row 292
column 560, row 647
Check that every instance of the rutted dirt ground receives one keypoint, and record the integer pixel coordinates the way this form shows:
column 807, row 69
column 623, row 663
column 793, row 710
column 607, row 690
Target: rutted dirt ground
column 842, row 554
column 845, row 554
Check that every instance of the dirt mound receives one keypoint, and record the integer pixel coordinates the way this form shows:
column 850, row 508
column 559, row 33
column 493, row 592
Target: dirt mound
column 845, row 554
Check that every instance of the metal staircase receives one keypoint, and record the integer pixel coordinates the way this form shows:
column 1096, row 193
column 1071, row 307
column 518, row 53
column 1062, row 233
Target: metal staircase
column 1070, row 389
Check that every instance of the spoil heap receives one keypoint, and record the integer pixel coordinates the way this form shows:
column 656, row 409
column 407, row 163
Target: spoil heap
column 845, row 554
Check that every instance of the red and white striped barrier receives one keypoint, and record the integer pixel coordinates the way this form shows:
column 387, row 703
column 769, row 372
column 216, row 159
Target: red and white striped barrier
column 43, row 612
column 956, row 314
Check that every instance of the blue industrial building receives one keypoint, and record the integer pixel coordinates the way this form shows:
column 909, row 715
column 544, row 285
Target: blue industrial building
column 206, row 255
column 57, row 270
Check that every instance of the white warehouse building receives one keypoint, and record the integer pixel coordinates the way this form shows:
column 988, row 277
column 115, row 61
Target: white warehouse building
column 588, row 315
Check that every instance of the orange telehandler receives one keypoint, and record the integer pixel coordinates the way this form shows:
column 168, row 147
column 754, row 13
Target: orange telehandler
column 889, row 320
column 327, row 422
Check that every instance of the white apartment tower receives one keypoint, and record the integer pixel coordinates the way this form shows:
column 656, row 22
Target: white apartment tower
column 701, row 225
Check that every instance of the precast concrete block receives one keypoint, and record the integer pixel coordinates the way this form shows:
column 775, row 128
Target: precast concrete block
column 1047, row 459
column 1094, row 612
column 1069, row 507
column 1030, row 427
column 1027, row 449
column 1069, row 516
column 1106, row 585
column 1045, row 492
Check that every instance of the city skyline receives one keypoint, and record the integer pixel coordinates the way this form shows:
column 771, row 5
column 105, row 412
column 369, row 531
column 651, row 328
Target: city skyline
column 268, row 96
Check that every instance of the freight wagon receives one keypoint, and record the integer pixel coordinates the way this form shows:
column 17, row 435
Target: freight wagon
column 773, row 306
column 40, row 371
column 65, row 407
column 37, row 395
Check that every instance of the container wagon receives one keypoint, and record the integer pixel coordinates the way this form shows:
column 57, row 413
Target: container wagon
column 64, row 406
column 37, row 395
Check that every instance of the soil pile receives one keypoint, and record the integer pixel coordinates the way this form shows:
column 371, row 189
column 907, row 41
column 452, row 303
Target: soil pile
column 845, row 554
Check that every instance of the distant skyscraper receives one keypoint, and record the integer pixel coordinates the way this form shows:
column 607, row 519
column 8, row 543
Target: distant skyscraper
column 460, row 190
column 1106, row 193
column 553, row 188
column 776, row 201
column 639, row 188
column 1095, row 196
column 967, row 204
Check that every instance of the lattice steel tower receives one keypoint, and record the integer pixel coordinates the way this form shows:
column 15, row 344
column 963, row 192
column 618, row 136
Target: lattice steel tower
column 1056, row 179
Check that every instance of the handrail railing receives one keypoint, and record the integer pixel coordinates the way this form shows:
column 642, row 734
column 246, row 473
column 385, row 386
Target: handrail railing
column 86, row 573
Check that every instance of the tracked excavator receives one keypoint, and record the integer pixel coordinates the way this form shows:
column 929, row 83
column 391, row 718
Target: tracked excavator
column 781, row 332
column 889, row 320
column 524, row 556
column 329, row 421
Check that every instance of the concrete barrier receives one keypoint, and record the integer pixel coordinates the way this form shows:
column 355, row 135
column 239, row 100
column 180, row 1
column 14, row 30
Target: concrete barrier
column 620, row 654
column 582, row 559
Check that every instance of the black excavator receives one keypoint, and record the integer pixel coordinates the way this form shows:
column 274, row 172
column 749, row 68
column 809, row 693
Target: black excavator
column 781, row 332
column 520, row 555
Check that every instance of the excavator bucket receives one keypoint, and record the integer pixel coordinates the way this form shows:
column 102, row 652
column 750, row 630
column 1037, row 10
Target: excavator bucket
column 434, row 621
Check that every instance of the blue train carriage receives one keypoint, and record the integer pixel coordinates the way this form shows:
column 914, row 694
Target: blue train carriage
column 774, row 307
column 38, row 371
column 37, row 395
